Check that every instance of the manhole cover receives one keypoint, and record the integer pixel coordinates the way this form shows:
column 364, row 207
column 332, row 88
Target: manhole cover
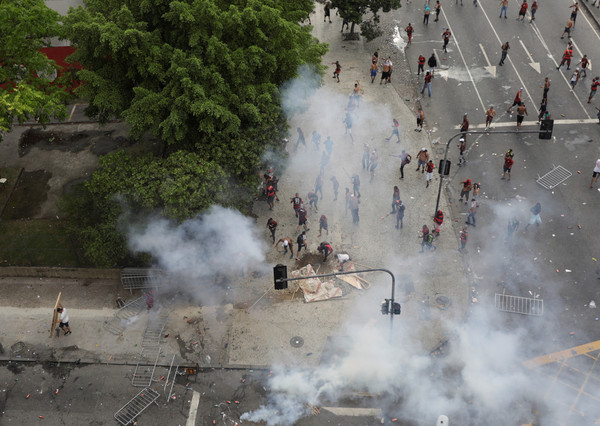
column 296, row 341
column 442, row 302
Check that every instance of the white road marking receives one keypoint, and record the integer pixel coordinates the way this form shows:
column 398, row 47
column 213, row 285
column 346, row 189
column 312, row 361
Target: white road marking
column 510, row 60
column 191, row 420
column 490, row 68
column 534, row 65
column 463, row 59
column 589, row 23
column 354, row 411
column 534, row 123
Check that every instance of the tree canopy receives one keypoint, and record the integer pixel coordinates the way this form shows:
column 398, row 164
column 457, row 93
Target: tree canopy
column 354, row 12
column 204, row 77
column 26, row 87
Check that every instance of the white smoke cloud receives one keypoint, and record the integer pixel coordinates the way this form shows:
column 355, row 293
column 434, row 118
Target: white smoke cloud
column 200, row 250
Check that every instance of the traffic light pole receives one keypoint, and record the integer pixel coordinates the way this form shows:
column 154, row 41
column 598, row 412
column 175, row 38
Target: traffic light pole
column 387, row 271
column 481, row 132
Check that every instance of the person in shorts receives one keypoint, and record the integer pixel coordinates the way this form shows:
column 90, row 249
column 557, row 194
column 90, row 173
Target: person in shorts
column 64, row 320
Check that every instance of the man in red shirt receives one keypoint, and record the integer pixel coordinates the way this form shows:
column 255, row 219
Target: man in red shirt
column 517, row 101
column 523, row 10
column 409, row 32
column 594, row 88
column 508, row 163
column 421, row 65
column 427, row 84
column 446, row 37
column 566, row 58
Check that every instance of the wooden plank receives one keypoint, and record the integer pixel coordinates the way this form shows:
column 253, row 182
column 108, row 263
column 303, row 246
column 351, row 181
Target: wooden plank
column 55, row 314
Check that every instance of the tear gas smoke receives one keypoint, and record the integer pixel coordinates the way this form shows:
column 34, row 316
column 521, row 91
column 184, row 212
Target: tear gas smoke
column 219, row 243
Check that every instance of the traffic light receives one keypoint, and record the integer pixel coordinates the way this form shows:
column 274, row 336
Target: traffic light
column 280, row 276
column 397, row 308
column 444, row 167
column 385, row 307
column 546, row 129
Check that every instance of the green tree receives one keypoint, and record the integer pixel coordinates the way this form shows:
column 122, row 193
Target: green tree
column 355, row 10
column 203, row 75
column 26, row 89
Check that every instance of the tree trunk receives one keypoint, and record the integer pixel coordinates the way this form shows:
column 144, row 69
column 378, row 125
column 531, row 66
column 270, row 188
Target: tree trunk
column 352, row 28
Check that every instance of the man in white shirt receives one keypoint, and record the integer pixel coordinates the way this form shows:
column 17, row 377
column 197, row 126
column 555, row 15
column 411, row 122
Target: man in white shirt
column 64, row 320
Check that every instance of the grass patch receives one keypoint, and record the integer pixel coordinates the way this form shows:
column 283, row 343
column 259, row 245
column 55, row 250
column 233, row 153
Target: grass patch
column 40, row 242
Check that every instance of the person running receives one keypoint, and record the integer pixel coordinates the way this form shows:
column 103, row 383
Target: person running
column 522, row 11
column 489, row 116
column 446, row 37
column 323, row 224
column 521, row 113
column 326, row 249
column 535, row 216
column 595, row 173
column 385, row 73
column 409, row 32
column 287, row 244
column 429, row 175
column 301, row 139
column 328, row 145
column 567, row 30
column 508, row 163
column 432, row 63
column 472, row 213
column 270, row 195
column 421, row 65
column 584, row 63
column 462, row 147
column 574, row 78
column 566, row 59
column 336, row 187
column 296, row 202
column 348, row 122
column 438, row 9
column 420, row 120
column 464, row 237
column 513, row 225
column 395, row 126
column 426, row 12
column 546, row 87
column 302, row 219
column 373, row 71
column 593, row 88
column 534, row 8
column 316, row 139
column 374, row 161
column 400, row 214
column 427, row 84
column 272, row 225
column 337, row 71
column 405, row 159
column 327, row 10
column 466, row 189
column 438, row 219
column 422, row 157
column 503, row 8
column 505, row 48
column 395, row 199
column 517, row 101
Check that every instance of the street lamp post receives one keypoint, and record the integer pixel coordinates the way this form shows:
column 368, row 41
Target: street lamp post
column 280, row 276
column 483, row 132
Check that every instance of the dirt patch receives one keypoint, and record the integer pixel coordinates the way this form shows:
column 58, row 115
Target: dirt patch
column 28, row 196
column 105, row 144
column 50, row 140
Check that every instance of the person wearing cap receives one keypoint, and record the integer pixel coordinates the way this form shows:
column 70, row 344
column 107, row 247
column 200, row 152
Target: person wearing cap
column 422, row 157
column 517, row 100
column 575, row 78
column 462, row 147
column 489, row 116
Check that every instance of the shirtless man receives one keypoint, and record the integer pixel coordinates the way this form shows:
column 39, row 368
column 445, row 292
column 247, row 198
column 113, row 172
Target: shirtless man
column 489, row 116
column 420, row 119
column 517, row 100
column 287, row 243
column 521, row 113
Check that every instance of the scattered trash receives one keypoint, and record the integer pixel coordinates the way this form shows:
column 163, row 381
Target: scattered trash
column 592, row 304
column 568, row 270
column 572, row 333
column 28, row 395
column 578, row 172
column 56, row 393
column 41, row 417
column 579, row 226
column 237, row 402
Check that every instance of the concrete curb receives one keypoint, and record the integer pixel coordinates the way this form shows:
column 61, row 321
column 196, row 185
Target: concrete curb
column 67, row 273
column 589, row 13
